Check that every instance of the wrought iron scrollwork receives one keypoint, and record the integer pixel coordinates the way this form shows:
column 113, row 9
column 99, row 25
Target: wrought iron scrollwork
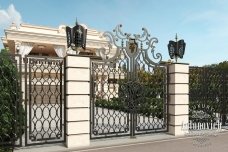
column 132, row 94
column 121, row 43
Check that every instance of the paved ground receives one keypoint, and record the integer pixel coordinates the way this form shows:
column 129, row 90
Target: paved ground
column 197, row 144
column 146, row 143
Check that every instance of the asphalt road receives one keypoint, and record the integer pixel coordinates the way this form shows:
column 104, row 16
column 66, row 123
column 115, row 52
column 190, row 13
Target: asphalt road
column 217, row 143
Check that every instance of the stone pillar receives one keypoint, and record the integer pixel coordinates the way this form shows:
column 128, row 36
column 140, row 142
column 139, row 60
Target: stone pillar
column 17, row 46
column 178, row 97
column 77, row 83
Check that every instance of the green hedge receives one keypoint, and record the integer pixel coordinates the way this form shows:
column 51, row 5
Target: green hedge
column 114, row 104
column 144, row 95
column 148, row 107
column 12, row 114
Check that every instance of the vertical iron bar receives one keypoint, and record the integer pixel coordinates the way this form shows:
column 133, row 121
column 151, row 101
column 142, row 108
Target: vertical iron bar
column 30, row 96
column 21, row 103
column 91, row 99
column 223, row 98
column 26, row 101
column 167, row 96
column 61, row 91
column 64, row 97
column 226, row 90
column 131, row 125
column 16, row 99
column 133, row 108
column 134, row 122
column 224, row 95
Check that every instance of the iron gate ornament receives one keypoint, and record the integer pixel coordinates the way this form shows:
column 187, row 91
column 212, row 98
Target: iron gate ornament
column 132, row 94
column 121, row 104
column 131, row 46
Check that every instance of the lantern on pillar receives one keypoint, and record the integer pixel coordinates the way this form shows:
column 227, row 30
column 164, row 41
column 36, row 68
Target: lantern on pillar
column 176, row 49
column 76, row 37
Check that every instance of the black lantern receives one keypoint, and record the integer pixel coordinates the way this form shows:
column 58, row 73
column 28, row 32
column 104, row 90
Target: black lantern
column 76, row 37
column 176, row 49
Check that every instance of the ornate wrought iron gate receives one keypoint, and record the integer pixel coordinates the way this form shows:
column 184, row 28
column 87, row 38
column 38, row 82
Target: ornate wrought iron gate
column 208, row 98
column 44, row 104
column 128, row 88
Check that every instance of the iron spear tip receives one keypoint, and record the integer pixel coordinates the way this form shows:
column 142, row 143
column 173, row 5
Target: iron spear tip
column 176, row 37
column 76, row 22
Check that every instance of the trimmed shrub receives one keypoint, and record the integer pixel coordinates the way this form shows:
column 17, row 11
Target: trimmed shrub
column 149, row 107
column 12, row 114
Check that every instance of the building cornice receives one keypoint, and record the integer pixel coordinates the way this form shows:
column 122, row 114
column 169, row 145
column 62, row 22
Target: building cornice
column 34, row 37
column 55, row 39
column 47, row 35
column 91, row 32
column 38, row 27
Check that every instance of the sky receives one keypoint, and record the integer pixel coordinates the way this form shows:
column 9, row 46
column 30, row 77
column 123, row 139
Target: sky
column 203, row 24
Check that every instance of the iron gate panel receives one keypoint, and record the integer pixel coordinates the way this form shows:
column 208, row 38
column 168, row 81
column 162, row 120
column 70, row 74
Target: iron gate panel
column 107, row 115
column 108, row 118
column 11, row 110
column 121, row 107
column 152, row 113
column 44, row 100
column 128, row 89
column 208, row 99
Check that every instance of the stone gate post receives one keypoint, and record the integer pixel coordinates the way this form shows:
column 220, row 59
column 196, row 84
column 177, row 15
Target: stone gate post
column 77, row 83
column 178, row 97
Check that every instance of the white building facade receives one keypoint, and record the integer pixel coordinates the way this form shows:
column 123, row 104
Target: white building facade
column 29, row 39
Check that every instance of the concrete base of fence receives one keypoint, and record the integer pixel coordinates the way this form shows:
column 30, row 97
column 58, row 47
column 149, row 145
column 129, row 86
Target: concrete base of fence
column 77, row 81
column 178, row 98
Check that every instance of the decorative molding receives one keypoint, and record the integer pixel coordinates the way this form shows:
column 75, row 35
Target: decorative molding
column 47, row 38
column 38, row 27
column 35, row 38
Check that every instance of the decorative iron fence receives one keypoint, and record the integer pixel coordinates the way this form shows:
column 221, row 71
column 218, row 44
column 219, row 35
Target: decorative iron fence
column 44, row 103
column 208, row 95
column 40, row 118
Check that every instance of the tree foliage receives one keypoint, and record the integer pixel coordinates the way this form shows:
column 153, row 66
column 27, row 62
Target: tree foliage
column 222, row 66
